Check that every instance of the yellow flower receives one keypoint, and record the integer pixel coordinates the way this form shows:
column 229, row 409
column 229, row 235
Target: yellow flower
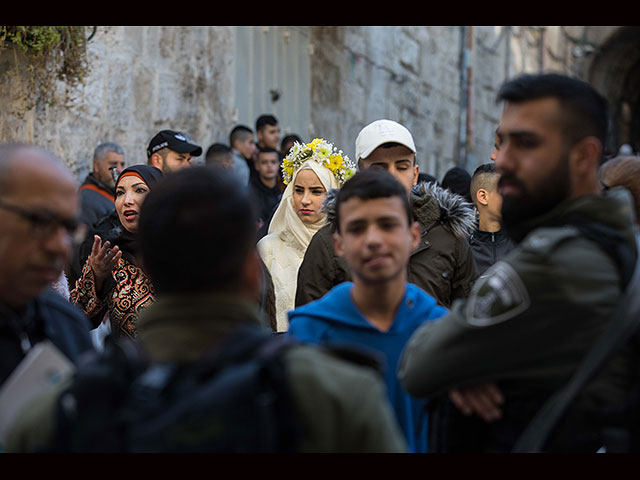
column 314, row 143
column 335, row 163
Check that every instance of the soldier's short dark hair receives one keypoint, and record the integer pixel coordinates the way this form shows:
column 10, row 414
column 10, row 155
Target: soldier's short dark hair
column 586, row 110
column 196, row 229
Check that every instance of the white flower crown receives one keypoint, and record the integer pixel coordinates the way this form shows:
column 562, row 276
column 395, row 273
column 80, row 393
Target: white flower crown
column 322, row 152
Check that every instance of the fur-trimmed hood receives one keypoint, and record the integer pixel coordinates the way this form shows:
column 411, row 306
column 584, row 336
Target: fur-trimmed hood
column 432, row 204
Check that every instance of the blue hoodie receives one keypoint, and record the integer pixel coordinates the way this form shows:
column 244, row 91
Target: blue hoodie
column 335, row 319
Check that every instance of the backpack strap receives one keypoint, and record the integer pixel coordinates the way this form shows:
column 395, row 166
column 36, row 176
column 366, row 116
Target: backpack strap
column 624, row 324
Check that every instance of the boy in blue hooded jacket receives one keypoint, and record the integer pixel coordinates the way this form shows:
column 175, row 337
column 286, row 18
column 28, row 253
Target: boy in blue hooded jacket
column 379, row 310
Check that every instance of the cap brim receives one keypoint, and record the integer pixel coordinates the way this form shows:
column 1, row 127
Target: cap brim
column 194, row 150
column 371, row 148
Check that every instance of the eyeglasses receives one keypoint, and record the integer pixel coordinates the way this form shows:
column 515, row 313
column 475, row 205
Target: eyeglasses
column 45, row 223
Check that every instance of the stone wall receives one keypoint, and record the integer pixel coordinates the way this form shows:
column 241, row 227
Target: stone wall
column 142, row 80
column 439, row 81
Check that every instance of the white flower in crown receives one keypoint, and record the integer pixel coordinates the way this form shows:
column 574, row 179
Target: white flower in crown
column 322, row 152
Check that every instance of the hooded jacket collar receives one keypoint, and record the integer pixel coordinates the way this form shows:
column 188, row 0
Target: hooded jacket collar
column 338, row 308
column 432, row 205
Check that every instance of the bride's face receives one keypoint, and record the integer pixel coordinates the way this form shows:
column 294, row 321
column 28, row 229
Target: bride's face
column 308, row 195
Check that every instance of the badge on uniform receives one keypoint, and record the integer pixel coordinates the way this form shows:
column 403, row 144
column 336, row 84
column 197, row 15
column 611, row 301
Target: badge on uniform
column 497, row 296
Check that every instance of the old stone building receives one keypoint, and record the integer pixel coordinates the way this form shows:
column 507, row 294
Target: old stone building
column 319, row 81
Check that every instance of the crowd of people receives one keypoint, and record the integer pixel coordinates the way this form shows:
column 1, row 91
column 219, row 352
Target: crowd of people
column 414, row 315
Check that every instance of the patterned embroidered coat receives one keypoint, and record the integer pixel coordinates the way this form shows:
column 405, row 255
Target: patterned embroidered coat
column 128, row 293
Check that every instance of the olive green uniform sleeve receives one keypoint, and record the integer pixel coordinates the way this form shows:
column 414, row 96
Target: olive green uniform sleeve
column 533, row 317
column 343, row 408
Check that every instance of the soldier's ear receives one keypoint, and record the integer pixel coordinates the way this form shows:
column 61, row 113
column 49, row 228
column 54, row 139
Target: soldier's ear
column 584, row 159
column 585, row 155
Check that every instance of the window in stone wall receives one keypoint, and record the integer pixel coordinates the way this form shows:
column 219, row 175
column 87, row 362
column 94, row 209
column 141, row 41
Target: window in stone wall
column 272, row 76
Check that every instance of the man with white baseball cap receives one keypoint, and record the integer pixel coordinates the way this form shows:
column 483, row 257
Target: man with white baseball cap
column 388, row 145
column 442, row 264
column 380, row 132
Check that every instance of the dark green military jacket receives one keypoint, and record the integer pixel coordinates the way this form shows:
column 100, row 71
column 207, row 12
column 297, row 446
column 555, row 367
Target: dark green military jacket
column 529, row 323
column 342, row 406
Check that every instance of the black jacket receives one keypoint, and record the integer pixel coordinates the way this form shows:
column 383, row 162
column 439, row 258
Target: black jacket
column 50, row 316
column 267, row 200
column 96, row 200
column 489, row 247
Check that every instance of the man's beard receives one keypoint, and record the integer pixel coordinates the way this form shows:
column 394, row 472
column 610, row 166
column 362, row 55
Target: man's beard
column 518, row 210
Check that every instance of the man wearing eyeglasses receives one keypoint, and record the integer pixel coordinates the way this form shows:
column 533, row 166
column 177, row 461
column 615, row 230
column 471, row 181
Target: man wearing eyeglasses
column 38, row 224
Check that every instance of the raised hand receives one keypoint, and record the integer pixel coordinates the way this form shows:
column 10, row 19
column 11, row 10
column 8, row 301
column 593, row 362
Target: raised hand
column 103, row 259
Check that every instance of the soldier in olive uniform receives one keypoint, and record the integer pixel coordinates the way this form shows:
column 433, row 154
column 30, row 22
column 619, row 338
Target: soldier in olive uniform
column 526, row 327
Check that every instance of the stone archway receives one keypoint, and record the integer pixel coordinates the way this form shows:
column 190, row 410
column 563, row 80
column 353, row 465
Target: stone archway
column 615, row 72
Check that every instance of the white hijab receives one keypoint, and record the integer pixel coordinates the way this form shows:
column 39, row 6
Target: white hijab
column 285, row 221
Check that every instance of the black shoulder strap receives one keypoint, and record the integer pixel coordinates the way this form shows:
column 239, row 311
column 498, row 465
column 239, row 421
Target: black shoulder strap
column 625, row 323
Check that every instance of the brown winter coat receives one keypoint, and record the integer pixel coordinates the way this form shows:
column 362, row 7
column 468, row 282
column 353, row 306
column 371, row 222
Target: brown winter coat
column 442, row 264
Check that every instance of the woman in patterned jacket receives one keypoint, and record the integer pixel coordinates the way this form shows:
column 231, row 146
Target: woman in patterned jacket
column 112, row 283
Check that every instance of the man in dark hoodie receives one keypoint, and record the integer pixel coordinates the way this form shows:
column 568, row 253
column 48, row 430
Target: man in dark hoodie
column 442, row 263
column 264, row 186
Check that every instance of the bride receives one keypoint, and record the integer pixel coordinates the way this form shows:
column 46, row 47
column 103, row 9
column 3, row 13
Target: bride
column 309, row 172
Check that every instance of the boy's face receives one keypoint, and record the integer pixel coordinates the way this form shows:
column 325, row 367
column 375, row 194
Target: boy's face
column 268, row 165
column 270, row 136
column 246, row 147
column 375, row 238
